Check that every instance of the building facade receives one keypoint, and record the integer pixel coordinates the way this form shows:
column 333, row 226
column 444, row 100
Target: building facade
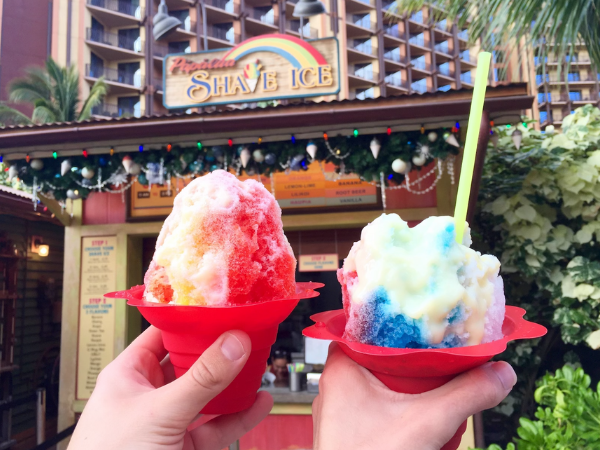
column 382, row 53
column 562, row 86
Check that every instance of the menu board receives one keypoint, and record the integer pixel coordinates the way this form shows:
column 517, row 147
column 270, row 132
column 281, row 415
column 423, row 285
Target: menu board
column 318, row 187
column 96, row 334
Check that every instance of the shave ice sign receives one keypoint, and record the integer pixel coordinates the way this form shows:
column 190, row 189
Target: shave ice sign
column 268, row 67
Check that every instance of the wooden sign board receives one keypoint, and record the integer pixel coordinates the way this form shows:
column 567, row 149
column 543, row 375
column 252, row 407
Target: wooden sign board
column 318, row 263
column 319, row 187
column 266, row 67
column 96, row 334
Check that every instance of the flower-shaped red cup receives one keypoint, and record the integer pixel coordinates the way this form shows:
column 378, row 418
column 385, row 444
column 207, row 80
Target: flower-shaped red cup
column 413, row 371
column 187, row 331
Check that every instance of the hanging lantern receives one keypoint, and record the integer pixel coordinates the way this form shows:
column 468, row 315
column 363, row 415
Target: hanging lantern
column 135, row 169
column 451, row 139
column 12, row 172
column 399, row 166
column 375, row 146
column 127, row 163
column 245, row 157
column 517, row 137
column 65, row 166
column 37, row 164
column 419, row 160
column 311, row 149
column 87, row 173
column 258, row 156
column 432, row 136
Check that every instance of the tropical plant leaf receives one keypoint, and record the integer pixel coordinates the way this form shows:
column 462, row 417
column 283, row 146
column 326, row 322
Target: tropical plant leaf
column 11, row 116
column 95, row 97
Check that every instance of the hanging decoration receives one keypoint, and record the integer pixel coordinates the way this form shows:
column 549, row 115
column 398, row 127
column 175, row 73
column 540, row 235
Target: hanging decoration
column 375, row 146
column 258, row 156
column 37, row 164
column 450, row 139
column 87, row 173
column 311, row 149
column 517, row 138
column 245, row 157
column 393, row 154
column 399, row 166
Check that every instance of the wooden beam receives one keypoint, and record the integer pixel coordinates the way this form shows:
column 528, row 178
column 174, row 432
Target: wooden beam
column 59, row 212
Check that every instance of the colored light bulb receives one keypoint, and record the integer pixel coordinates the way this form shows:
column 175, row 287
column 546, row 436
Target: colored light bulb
column 54, row 155
column 199, row 145
column 141, row 148
column 355, row 132
column 85, row 153
column 229, row 142
column 169, row 147
column 389, row 131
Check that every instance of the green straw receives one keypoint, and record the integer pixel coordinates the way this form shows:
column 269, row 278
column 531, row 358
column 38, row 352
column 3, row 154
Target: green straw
column 468, row 163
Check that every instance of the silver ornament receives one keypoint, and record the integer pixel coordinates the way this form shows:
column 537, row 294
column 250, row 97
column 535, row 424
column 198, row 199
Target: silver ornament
column 135, row 169
column 13, row 172
column 245, row 156
column 419, row 160
column 311, row 149
column 399, row 166
column 432, row 136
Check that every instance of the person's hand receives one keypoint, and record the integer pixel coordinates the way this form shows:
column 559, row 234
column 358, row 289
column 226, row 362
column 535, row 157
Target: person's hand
column 138, row 404
column 354, row 410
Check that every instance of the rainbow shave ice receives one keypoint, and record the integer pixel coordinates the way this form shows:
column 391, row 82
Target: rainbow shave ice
column 418, row 288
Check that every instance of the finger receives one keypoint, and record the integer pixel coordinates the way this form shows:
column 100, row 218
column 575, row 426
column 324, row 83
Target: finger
column 149, row 341
column 472, row 392
column 339, row 364
column 168, row 369
column 223, row 430
column 208, row 376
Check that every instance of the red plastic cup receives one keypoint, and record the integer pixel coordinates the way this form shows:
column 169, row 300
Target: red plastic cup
column 187, row 331
column 414, row 371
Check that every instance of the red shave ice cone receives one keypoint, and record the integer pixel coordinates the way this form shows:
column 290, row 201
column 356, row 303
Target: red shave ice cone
column 413, row 371
column 187, row 331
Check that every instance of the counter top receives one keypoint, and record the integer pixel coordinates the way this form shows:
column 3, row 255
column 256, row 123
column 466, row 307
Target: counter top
column 284, row 395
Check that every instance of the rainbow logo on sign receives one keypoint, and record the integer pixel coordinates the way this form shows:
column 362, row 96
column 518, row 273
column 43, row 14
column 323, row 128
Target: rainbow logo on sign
column 297, row 52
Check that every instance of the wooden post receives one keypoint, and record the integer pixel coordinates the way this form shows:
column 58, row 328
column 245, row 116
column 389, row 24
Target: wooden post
column 482, row 143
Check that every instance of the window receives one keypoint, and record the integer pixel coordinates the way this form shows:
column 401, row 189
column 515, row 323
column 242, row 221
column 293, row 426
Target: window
column 129, row 39
column 223, row 31
column 362, row 20
column 418, row 39
column 575, row 96
column 445, row 88
column 543, row 97
column 444, row 69
column 362, row 45
column 130, row 73
column 543, row 116
column 466, row 77
column 363, row 94
column 499, row 74
column 180, row 47
column 442, row 25
column 129, row 106
column 394, row 78
column 465, row 55
column 96, row 66
column 573, row 76
column 184, row 16
column 417, row 17
column 464, row 35
column 419, row 86
column 265, row 14
column 392, row 54
column 572, row 58
column 390, row 6
column 443, row 47
column 539, row 79
column 364, row 71
column 419, row 63
column 392, row 30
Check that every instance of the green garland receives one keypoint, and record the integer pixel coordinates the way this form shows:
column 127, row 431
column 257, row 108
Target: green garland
column 350, row 154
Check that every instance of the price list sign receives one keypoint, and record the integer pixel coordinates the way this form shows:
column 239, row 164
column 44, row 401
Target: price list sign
column 95, row 344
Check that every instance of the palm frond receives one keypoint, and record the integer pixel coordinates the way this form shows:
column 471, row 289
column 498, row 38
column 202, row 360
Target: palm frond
column 43, row 114
column 34, row 85
column 11, row 116
column 95, row 97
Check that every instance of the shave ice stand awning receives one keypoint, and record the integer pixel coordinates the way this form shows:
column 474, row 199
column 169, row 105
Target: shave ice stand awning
column 112, row 182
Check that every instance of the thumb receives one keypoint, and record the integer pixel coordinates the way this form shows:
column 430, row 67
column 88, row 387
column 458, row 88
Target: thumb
column 472, row 392
column 208, row 376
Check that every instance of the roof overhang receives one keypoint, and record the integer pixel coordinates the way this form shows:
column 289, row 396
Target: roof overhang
column 505, row 104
